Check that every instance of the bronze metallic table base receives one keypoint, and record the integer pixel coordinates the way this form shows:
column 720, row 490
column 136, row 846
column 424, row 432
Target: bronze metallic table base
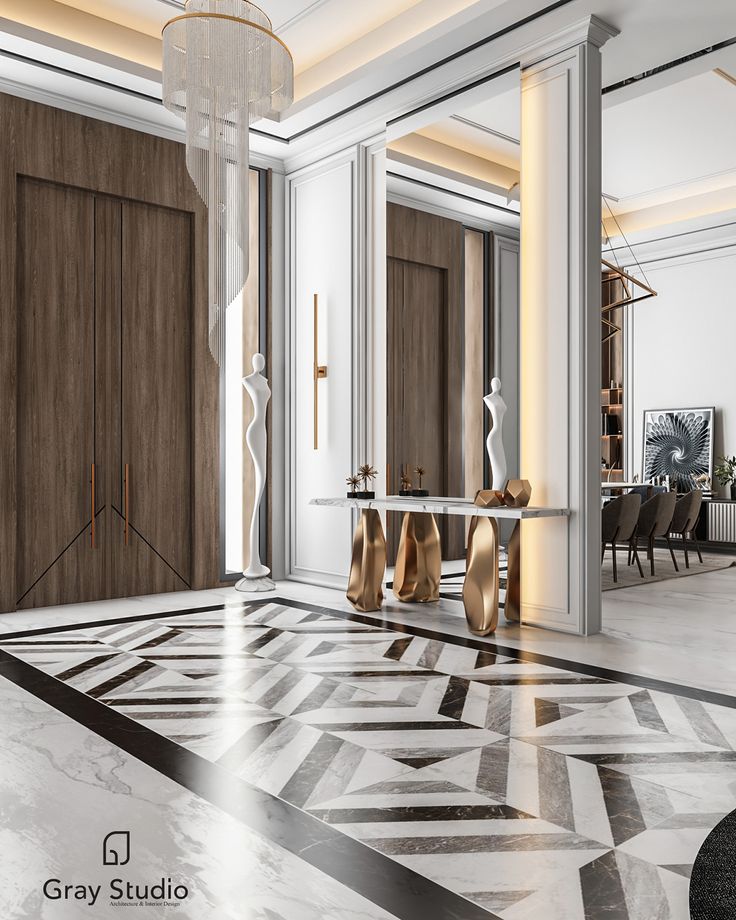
column 419, row 560
column 512, row 608
column 518, row 495
column 480, row 591
column 365, row 587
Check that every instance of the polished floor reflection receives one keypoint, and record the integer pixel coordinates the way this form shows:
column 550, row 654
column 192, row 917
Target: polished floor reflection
column 506, row 787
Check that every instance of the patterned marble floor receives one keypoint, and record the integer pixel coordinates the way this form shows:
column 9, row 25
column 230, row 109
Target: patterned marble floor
column 526, row 791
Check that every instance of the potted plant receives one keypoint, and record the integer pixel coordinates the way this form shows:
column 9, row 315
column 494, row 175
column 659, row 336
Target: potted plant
column 726, row 474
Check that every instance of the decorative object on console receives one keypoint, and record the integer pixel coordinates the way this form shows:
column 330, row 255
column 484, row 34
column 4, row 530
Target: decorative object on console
column 518, row 494
column 406, row 484
column 368, row 565
column 354, row 485
column 367, row 474
column 419, row 560
column 480, row 589
column 678, row 443
column 223, row 69
column 256, row 577
column 496, row 454
column 726, row 474
column 420, row 492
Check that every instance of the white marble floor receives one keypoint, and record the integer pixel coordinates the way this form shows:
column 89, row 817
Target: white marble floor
column 683, row 630
column 432, row 777
column 64, row 788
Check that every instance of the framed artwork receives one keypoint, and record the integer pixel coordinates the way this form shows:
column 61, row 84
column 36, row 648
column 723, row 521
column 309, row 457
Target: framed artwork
column 678, row 443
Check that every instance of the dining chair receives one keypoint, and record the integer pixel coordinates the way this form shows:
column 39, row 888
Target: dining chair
column 618, row 526
column 685, row 520
column 655, row 521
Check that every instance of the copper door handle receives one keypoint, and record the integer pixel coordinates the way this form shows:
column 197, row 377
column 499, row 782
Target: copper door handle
column 126, row 479
column 320, row 372
column 92, row 503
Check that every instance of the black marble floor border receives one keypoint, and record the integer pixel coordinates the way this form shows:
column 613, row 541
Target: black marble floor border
column 578, row 667
column 388, row 884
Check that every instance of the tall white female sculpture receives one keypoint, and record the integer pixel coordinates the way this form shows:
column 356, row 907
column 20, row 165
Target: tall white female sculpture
column 256, row 578
column 496, row 454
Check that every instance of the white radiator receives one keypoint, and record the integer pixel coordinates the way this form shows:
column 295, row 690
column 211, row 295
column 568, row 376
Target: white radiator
column 722, row 522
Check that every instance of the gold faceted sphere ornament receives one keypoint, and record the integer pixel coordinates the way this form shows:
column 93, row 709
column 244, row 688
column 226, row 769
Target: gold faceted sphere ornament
column 518, row 493
column 488, row 498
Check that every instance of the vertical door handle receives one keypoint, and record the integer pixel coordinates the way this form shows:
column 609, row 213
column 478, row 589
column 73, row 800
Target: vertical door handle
column 126, row 505
column 320, row 372
column 92, row 503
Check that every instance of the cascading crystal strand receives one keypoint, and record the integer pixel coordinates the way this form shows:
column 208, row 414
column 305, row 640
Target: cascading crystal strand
column 223, row 69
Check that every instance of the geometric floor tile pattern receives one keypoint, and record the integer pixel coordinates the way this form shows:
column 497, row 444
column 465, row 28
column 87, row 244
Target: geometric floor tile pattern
column 538, row 793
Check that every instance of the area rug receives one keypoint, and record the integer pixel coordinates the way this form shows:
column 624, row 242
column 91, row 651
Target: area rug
column 713, row 880
column 628, row 577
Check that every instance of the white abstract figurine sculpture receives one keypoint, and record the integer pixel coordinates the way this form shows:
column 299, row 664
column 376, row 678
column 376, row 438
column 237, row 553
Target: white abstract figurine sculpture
column 496, row 454
column 257, row 575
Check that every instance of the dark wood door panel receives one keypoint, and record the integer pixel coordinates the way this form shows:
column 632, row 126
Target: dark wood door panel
column 417, row 308
column 55, row 446
column 425, row 350
column 156, row 383
column 78, row 574
column 137, row 568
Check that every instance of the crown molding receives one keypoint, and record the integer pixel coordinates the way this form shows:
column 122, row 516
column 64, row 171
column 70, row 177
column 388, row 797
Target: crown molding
column 591, row 31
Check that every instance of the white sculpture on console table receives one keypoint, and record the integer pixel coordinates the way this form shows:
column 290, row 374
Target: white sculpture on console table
column 256, row 578
column 496, row 454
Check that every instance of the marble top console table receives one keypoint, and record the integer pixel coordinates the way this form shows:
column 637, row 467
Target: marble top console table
column 418, row 563
column 460, row 506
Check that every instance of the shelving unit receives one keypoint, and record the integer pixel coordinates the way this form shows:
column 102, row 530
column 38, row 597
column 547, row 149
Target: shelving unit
column 612, row 397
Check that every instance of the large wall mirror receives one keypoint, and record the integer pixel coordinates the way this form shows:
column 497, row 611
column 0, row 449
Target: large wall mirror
column 246, row 333
column 452, row 236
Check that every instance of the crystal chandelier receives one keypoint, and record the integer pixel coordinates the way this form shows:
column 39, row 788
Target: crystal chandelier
column 223, row 69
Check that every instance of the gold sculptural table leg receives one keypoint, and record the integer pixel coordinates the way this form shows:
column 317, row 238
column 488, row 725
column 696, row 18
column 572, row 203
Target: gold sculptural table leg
column 480, row 590
column 419, row 560
column 365, row 587
column 518, row 495
column 512, row 608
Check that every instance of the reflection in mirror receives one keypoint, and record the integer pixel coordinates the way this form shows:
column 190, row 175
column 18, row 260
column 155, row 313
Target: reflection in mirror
column 244, row 336
column 452, row 303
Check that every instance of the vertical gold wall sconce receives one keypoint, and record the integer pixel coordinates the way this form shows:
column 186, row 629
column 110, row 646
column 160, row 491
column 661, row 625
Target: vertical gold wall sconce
column 320, row 371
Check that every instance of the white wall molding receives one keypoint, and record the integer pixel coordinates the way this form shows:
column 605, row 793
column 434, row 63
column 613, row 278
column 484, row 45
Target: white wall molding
column 560, row 349
column 590, row 30
column 325, row 249
column 472, row 221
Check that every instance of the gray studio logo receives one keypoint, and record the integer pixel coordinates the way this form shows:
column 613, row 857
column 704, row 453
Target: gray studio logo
column 116, row 849
column 161, row 892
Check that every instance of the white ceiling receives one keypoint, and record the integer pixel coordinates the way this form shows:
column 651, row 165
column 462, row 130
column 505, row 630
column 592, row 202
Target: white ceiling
column 665, row 138
column 313, row 29
column 667, row 152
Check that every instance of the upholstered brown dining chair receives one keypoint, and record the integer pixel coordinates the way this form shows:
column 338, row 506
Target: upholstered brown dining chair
column 685, row 520
column 619, row 520
column 655, row 520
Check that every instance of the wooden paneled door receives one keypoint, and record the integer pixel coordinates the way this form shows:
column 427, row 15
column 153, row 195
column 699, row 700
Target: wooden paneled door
column 153, row 461
column 104, row 418
column 417, row 417
column 425, row 350
column 59, row 558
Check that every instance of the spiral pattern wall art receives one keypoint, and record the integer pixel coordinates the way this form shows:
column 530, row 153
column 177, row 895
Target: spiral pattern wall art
column 678, row 443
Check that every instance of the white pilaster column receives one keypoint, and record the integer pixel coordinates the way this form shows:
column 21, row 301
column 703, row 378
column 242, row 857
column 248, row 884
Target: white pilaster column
column 560, row 350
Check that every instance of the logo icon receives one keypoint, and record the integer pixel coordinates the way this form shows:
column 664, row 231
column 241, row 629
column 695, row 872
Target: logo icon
column 116, row 849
